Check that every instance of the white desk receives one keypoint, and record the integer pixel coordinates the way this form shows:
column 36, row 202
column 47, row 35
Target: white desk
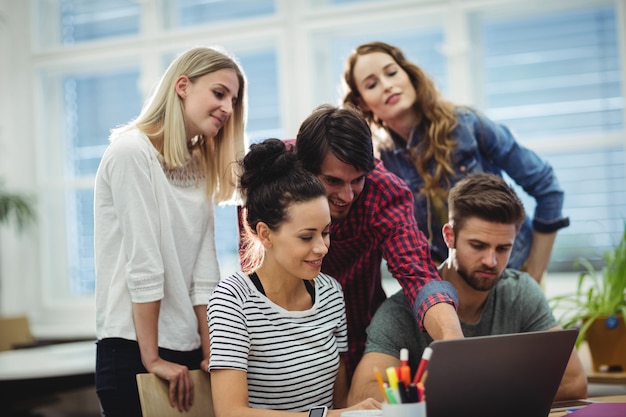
column 58, row 360
column 43, row 372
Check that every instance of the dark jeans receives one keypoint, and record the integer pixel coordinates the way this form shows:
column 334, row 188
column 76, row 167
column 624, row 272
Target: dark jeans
column 117, row 363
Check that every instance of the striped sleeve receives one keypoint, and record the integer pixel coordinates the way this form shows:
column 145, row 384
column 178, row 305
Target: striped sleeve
column 228, row 334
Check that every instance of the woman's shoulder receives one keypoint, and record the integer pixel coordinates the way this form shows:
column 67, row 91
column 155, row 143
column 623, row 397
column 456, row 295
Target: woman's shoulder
column 474, row 126
column 469, row 115
column 237, row 279
column 327, row 280
column 126, row 133
column 235, row 286
column 129, row 151
column 327, row 285
column 130, row 141
column 474, row 119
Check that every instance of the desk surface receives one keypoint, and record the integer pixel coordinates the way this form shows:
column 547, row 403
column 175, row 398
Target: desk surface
column 611, row 399
column 59, row 360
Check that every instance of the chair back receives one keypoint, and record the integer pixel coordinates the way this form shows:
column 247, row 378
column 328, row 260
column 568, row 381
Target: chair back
column 14, row 331
column 154, row 396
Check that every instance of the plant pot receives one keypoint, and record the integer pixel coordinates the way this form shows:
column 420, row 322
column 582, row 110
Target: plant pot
column 607, row 344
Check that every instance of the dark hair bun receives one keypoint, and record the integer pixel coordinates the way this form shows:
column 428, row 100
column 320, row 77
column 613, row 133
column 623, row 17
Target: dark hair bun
column 265, row 163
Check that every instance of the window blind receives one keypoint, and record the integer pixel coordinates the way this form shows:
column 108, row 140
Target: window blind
column 556, row 75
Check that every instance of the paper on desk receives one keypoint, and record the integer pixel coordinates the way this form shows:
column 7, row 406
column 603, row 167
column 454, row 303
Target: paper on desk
column 601, row 410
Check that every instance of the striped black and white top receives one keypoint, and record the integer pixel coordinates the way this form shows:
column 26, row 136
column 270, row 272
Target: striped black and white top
column 291, row 357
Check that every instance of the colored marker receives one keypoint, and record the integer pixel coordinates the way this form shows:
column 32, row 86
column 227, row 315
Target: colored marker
column 402, row 392
column 405, row 369
column 391, row 396
column 392, row 377
column 423, row 380
column 413, row 394
column 422, row 366
column 381, row 384
column 421, row 392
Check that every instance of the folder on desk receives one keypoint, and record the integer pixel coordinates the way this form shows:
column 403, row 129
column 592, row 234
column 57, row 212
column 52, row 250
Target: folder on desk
column 601, row 410
column 516, row 375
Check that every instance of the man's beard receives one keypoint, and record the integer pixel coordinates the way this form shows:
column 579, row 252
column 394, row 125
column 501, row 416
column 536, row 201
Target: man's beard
column 478, row 284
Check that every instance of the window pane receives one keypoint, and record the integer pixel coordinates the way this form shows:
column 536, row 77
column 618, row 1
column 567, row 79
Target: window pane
column 595, row 203
column 94, row 104
column 79, row 204
column 595, row 199
column 82, row 107
column 422, row 47
column 555, row 73
column 263, row 122
column 261, row 70
column 74, row 21
column 181, row 13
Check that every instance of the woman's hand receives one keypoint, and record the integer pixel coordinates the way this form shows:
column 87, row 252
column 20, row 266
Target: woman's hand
column 180, row 383
column 146, row 317
column 204, row 365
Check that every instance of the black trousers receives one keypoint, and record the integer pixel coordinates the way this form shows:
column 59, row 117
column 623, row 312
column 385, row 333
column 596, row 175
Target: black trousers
column 117, row 362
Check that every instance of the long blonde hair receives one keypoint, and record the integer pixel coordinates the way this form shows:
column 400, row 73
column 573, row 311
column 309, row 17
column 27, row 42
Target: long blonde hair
column 162, row 118
column 437, row 118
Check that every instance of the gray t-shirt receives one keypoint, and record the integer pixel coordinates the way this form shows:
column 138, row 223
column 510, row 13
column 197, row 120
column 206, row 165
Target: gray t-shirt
column 515, row 305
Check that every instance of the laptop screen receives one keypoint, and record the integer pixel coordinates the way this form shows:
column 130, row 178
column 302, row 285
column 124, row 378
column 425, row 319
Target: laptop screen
column 516, row 375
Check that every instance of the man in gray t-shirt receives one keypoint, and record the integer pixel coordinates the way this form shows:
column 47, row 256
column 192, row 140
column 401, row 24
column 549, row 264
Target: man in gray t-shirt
column 516, row 304
column 484, row 217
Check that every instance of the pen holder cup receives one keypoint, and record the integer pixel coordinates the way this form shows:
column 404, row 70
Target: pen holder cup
column 405, row 410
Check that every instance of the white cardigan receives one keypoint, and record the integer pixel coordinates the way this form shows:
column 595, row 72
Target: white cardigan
column 154, row 240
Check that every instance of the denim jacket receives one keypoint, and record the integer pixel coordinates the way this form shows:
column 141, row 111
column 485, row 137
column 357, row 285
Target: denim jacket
column 485, row 146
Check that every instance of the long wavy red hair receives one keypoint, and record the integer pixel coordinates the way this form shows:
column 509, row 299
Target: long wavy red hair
column 436, row 115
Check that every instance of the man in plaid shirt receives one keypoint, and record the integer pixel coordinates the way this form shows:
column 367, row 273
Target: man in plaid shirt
column 372, row 219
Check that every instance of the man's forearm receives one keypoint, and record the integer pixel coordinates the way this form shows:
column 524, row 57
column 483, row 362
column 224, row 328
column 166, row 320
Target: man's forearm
column 442, row 322
column 364, row 383
column 365, row 390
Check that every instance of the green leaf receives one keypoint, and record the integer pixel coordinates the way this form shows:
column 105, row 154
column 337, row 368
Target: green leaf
column 16, row 209
column 598, row 293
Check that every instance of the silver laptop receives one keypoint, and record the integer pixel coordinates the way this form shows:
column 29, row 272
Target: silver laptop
column 513, row 375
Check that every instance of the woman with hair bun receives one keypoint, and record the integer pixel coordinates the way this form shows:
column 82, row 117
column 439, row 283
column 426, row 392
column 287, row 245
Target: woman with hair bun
column 277, row 328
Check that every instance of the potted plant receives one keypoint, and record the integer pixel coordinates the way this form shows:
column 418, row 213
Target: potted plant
column 598, row 308
column 15, row 208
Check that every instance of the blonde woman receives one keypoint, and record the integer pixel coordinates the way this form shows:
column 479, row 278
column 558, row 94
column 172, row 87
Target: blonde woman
column 155, row 256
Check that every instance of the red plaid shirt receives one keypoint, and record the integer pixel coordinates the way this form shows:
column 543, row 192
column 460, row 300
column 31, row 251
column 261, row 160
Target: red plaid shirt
column 381, row 224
